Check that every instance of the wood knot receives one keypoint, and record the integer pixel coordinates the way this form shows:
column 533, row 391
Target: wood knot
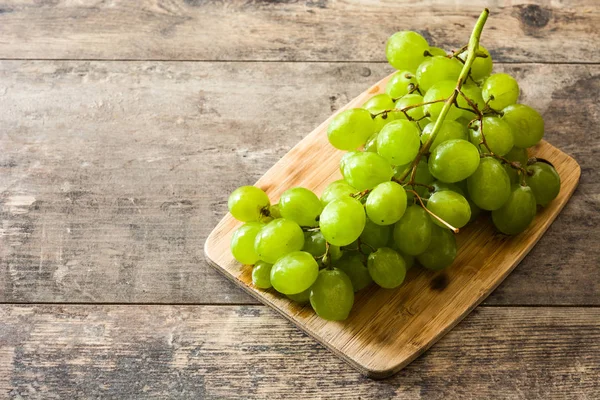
column 440, row 282
column 534, row 16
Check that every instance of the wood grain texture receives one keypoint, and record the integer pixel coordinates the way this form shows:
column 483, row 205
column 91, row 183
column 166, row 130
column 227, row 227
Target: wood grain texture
column 113, row 174
column 317, row 30
column 249, row 352
column 387, row 329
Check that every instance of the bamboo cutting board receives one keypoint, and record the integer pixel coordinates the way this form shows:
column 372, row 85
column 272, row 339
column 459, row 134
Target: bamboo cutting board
column 387, row 329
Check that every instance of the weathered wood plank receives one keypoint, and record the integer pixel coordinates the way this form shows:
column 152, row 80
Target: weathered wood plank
column 249, row 352
column 317, row 30
column 113, row 174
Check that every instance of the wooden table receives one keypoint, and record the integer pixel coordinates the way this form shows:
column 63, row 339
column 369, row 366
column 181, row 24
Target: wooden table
column 125, row 125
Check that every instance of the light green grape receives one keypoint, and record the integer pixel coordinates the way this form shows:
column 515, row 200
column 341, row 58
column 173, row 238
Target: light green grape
column 386, row 203
column 473, row 93
column 335, row 253
column 451, row 207
column 371, row 144
column 517, row 212
column 441, row 90
column 350, row 129
column 242, row 242
column 439, row 186
column 498, row 135
column 405, row 50
column 365, row 170
column 544, row 181
column 515, row 154
column 453, row 160
column 500, row 90
column 335, row 190
column 435, row 69
column 261, row 275
column 379, row 103
column 387, row 268
column 400, row 84
column 274, row 211
column 441, row 251
column 332, row 295
column 449, row 130
column 422, row 174
column 412, row 233
column 301, row 206
column 526, row 123
column 409, row 100
column 356, row 271
column 278, row 238
column 436, row 51
column 489, row 186
column 398, row 142
column 301, row 298
column 246, row 203
column 294, row 273
column 314, row 243
column 375, row 235
column 482, row 66
column 342, row 221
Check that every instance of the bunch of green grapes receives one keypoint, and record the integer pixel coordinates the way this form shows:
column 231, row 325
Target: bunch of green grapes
column 413, row 175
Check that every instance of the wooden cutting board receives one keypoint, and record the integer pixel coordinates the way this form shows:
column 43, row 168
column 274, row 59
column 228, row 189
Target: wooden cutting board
column 387, row 329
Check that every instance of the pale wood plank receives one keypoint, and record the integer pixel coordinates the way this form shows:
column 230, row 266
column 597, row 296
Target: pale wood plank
column 317, row 30
column 249, row 352
column 113, row 174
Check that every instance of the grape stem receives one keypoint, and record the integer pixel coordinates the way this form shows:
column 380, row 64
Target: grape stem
column 472, row 48
column 405, row 109
column 453, row 229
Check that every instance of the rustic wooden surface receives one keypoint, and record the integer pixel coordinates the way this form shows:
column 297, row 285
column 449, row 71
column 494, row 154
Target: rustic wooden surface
column 112, row 173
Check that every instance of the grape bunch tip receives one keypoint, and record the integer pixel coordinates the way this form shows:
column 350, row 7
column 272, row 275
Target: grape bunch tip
column 445, row 143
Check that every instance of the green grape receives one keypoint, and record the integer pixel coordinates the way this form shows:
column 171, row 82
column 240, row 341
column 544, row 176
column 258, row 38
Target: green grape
column 441, row 90
column 378, row 103
column 451, row 207
column 435, row 69
column 526, row 123
column 246, row 203
column 335, row 190
column 405, row 50
column 498, row 135
column 449, row 130
column 335, row 253
column 436, row 51
column 400, row 84
column 294, row 273
column 482, row 66
column 398, row 142
column 342, row 221
column 473, row 93
column 412, row 233
column 314, row 243
column 301, row 298
column 242, row 242
column 365, row 170
column 544, row 181
column 350, row 129
column 500, row 90
column 387, row 268
column 352, row 266
column 371, row 144
column 408, row 260
column 375, row 235
column 274, row 211
column 409, row 100
column 301, row 206
column 278, row 238
column 515, row 154
column 489, row 186
column 332, row 295
column 386, row 203
column 441, row 251
column 475, row 210
column 439, row 186
column 517, row 212
column 453, row 160
column 261, row 275
column 422, row 175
